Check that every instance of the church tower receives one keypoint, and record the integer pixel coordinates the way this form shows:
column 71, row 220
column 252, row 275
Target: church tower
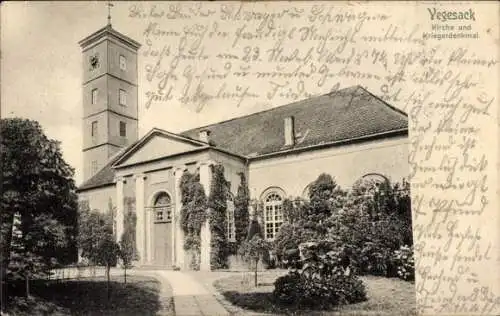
column 110, row 112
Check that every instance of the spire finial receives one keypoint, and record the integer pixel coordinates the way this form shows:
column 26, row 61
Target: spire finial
column 109, row 12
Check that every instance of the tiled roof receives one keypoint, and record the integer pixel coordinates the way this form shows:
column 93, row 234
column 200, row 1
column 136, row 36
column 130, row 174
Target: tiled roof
column 106, row 175
column 343, row 115
column 346, row 114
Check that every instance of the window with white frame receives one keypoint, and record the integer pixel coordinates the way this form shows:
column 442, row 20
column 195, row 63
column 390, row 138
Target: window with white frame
column 123, row 97
column 123, row 62
column 230, row 229
column 273, row 214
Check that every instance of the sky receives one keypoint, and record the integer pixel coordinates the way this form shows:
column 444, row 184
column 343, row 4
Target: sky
column 41, row 71
column 41, row 67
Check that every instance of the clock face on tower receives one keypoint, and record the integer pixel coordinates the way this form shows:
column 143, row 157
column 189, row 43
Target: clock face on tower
column 94, row 62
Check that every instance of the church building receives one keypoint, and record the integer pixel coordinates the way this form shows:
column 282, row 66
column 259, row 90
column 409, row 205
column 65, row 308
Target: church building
column 349, row 134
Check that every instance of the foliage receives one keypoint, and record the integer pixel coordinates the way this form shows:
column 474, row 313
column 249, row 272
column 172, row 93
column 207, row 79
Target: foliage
column 258, row 209
column 107, row 251
column 370, row 222
column 93, row 226
column 254, row 229
column 128, row 251
column 269, row 256
column 288, row 239
column 324, row 280
column 193, row 214
column 307, row 221
column 293, row 210
column 405, row 263
column 96, row 240
column 373, row 227
column 38, row 190
column 217, row 203
column 253, row 251
column 321, row 196
column 130, row 221
column 241, row 215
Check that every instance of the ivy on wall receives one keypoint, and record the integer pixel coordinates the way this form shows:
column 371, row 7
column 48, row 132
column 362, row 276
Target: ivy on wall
column 130, row 220
column 193, row 215
column 241, row 215
column 217, row 203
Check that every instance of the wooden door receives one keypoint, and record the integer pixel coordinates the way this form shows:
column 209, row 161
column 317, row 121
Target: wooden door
column 162, row 230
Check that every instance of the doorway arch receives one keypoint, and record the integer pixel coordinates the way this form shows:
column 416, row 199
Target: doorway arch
column 161, row 230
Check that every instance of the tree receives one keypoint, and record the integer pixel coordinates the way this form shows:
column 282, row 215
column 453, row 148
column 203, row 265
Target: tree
column 96, row 240
column 107, row 252
column 307, row 221
column 39, row 192
column 93, row 225
column 127, row 245
column 321, row 197
column 241, row 215
column 253, row 251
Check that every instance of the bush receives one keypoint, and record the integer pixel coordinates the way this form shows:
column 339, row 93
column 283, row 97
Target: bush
column 404, row 263
column 372, row 240
column 269, row 257
column 324, row 280
column 252, row 251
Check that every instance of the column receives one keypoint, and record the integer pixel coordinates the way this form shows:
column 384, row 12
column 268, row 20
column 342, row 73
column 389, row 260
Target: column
column 140, row 211
column 177, row 229
column 148, row 218
column 205, row 180
column 120, row 183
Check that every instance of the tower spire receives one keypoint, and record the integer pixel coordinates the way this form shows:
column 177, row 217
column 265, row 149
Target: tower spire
column 110, row 5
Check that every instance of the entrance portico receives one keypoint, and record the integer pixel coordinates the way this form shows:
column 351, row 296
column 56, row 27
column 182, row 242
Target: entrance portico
column 157, row 193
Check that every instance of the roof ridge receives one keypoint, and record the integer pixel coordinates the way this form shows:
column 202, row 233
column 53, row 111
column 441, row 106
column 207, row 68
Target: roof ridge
column 268, row 110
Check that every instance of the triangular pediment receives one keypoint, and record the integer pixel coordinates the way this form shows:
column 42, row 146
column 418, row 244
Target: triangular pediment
column 157, row 144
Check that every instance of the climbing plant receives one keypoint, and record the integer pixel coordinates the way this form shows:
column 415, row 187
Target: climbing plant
column 217, row 203
column 130, row 220
column 241, row 215
column 193, row 214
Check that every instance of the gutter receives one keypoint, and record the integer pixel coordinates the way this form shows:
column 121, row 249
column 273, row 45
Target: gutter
column 403, row 131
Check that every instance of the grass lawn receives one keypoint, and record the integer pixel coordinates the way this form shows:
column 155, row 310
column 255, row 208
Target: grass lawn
column 385, row 296
column 140, row 296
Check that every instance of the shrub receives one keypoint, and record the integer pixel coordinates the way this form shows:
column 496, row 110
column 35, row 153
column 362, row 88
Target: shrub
column 252, row 251
column 372, row 237
column 405, row 263
column 324, row 280
column 288, row 239
column 269, row 256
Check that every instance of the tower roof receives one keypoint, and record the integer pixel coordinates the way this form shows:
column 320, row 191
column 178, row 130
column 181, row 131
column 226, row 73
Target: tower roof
column 108, row 31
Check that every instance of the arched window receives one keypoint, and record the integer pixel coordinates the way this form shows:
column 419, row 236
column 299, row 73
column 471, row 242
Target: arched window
column 273, row 214
column 230, row 229
column 163, row 208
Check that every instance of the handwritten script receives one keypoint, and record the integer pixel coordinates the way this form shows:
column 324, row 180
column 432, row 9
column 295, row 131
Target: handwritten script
column 202, row 55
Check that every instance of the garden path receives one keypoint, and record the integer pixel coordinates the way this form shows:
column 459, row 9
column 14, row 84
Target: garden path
column 191, row 297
